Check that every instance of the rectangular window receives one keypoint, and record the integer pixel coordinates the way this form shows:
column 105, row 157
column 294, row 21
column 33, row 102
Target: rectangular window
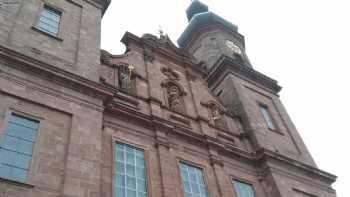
column 243, row 189
column 130, row 171
column 267, row 117
column 16, row 148
column 49, row 20
column 193, row 181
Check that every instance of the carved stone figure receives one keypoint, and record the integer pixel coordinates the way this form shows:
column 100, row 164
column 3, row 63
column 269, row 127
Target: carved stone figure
column 218, row 118
column 174, row 99
column 124, row 79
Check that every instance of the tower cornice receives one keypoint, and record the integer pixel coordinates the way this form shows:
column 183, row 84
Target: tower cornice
column 226, row 63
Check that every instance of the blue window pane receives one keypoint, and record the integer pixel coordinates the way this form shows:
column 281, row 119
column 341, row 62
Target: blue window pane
column 243, row 189
column 130, row 158
column 130, row 171
column 50, row 20
column 141, row 194
column 187, row 186
column 267, row 116
column 140, row 161
column 120, row 182
column 19, row 131
column 14, row 159
column 24, row 121
column 17, row 147
column 130, row 182
column 120, row 192
column 5, row 171
column 120, row 167
column 15, row 144
column 141, row 185
column 130, row 193
column 120, row 156
column 19, row 174
column 193, row 181
column 140, row 172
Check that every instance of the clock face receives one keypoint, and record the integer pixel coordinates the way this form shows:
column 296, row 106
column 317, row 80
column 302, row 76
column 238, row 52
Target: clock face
column 233, row 47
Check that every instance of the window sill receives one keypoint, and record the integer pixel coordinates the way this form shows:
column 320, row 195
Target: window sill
column 18, row 183
column 35, row 28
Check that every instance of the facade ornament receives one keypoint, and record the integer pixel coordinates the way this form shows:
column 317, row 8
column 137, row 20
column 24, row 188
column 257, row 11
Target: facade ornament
column 170, row 73
column 125, row 74
column 190, row 76
column 218, row 118
column 217, row 114
column 174, row 99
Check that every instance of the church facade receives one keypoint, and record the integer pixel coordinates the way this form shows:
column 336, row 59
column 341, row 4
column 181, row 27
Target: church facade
column 160, row 120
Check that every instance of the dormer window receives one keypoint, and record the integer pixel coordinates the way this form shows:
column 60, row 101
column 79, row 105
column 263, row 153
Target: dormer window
column 49, row 21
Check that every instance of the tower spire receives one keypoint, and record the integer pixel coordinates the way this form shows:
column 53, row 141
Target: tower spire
column 196, row 7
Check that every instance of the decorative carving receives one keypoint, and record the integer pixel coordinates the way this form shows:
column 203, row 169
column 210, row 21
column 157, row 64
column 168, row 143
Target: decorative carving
column 126, row 78
column 218, row 117
column 174, row 99
column 217, row 114
column 190, row 76
column 170, row 73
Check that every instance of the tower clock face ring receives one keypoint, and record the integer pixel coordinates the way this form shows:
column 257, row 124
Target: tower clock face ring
column 233, row 47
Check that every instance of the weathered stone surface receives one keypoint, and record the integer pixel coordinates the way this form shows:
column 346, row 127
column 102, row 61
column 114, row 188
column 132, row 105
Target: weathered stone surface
column 75, row 94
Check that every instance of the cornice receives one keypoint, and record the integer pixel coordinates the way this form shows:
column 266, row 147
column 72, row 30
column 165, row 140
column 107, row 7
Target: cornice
column 102, row 4
column 264, row 154
column 259, row 158
column 225, row 63
column 164, row 47
column 212, row 27
column 55, row 74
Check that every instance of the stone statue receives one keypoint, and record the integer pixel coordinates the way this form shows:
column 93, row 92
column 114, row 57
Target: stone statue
column 174, row 99
column 125, row 77
column 218, row 118
column 124, row 80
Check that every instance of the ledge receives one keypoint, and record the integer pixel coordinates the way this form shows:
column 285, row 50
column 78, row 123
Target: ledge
column 37, row 29
column 226, row 63
column 17, row 183
column 65, row 78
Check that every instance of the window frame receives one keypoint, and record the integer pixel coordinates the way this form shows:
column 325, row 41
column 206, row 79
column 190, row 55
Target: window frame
column 36, row 26
column 195, row 165
column 116, row 140
column 33, row 163
column 273, row 121
column 235, row 179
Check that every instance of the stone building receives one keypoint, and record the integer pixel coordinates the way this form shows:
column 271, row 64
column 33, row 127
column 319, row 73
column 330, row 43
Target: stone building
column 159, row 120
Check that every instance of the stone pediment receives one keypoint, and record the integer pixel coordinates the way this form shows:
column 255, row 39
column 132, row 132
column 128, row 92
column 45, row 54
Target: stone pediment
column 164, row 43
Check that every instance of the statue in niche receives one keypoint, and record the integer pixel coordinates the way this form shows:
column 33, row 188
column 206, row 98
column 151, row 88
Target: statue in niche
column 174, row 99
column 125, row 77
column 218, row 117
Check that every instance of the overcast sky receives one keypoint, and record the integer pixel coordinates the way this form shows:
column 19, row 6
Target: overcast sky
column 304, row 44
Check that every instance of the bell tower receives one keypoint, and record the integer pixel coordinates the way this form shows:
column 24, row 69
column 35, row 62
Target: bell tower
column 219, row 49
column 208, row 36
